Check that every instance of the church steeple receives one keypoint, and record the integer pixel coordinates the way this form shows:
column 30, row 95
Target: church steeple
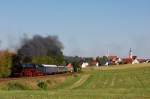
column 130, row 53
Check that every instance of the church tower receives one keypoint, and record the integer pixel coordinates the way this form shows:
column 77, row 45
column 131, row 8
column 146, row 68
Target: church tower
column 130, row 54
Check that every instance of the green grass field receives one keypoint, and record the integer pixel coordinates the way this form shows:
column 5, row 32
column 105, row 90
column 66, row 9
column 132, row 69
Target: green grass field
column 117, row 82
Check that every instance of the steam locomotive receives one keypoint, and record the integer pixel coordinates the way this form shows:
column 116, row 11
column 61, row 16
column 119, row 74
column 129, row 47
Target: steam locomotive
column 31, row 70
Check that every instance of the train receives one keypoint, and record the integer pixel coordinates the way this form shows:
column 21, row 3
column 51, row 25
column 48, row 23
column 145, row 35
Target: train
column 32, row 70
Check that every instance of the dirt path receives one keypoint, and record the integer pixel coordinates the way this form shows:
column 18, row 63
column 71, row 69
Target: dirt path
column 80, row 82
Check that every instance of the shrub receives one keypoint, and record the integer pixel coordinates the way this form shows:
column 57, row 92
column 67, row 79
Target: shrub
column 43, row 85
column 16, row 86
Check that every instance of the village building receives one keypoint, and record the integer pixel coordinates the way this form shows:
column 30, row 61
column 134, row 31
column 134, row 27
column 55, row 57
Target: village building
column 85, row 64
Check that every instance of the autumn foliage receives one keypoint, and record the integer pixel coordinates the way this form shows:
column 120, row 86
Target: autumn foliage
column 5, row 63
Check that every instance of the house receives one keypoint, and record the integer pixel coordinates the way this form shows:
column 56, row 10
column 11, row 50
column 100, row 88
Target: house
column 127, row 60
column 94, row 62
column 112, row 60
column 85, row 64
column 135, row 61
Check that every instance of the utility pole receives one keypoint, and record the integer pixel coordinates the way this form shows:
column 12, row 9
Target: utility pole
column 107, row 52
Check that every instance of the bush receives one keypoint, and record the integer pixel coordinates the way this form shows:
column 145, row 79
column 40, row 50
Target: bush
column 43, row 85
column 16, row 86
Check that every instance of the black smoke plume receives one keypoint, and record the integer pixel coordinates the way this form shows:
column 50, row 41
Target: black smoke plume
column 39, row 46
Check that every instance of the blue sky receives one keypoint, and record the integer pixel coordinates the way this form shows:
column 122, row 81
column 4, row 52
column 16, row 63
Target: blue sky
column 86, row 27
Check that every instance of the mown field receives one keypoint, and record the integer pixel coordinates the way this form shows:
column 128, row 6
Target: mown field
column 116, row 82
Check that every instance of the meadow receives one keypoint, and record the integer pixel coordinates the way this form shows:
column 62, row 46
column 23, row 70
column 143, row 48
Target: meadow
column 115, row 82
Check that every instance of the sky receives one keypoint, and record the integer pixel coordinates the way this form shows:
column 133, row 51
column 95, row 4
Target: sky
column 85, row 27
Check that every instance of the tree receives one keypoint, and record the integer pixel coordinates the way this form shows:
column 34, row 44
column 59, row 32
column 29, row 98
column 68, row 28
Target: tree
column 102, row 60
column 5, row 63
column 76, row 62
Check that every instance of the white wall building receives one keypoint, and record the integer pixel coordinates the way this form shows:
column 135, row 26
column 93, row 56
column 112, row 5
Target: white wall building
column 85, row 64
